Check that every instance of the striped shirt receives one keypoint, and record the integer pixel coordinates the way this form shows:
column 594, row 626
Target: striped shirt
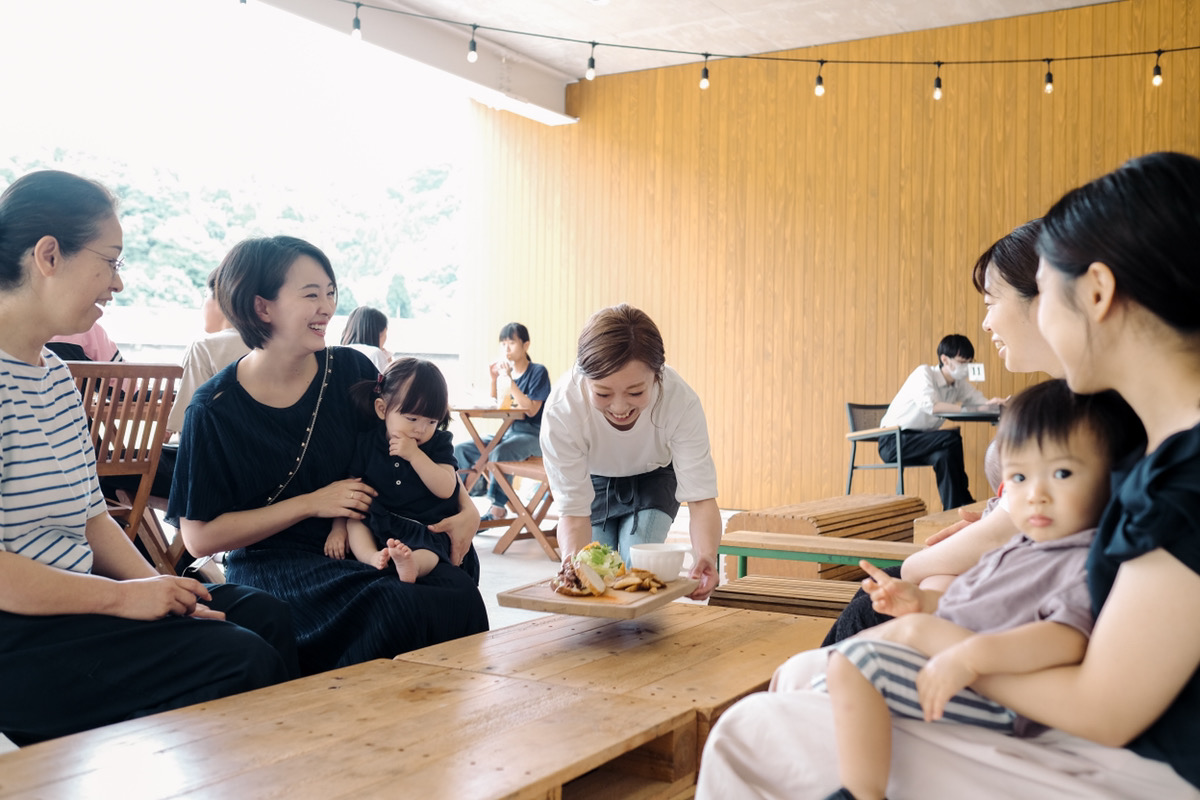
column 48, row 484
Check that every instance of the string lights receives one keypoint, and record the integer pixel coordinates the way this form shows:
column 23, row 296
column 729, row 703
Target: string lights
column 818, row 87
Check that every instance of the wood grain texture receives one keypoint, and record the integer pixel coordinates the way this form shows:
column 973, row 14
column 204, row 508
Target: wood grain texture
column 798, row 252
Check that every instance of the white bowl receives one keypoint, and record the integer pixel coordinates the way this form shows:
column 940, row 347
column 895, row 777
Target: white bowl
column 665, row 560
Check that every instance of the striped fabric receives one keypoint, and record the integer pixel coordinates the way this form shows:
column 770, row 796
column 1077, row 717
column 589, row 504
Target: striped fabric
column 893, row 669
column 48, row 484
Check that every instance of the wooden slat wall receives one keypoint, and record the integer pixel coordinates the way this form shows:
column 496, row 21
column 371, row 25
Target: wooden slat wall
column 799, row 252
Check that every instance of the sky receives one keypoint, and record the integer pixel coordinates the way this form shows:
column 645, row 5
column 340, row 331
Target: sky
column 218, row 88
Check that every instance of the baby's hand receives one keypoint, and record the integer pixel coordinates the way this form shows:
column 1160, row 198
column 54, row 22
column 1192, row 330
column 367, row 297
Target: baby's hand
column 404, row 447
column 889, row 595
column 335, row 543
column 944, row 676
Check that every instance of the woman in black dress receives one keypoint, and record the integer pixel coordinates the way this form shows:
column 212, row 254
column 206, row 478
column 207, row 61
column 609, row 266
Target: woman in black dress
column 265, row 448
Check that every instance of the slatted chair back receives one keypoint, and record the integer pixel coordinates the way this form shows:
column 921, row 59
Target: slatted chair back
column 865, row 419
column 127, row 407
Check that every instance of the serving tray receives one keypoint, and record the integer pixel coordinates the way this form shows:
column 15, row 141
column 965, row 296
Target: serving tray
column 616, row 604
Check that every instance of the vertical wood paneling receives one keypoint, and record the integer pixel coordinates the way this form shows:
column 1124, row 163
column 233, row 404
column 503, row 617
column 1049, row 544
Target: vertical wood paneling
column 796, row 251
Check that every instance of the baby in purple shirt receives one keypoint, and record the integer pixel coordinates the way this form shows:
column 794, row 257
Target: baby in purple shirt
column 1026, row 602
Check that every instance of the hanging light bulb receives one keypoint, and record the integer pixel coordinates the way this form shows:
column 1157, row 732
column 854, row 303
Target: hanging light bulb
column 356, row 31
column 937, row 82
column 704, row 73
column 1049, row 78
column 819, row 89
column 1157, row 79
column 472, row 53
column 591, row 70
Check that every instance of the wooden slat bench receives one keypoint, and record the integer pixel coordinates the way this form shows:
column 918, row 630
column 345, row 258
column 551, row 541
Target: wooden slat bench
column 865, row 516
column 822, row 598
column 926, row 526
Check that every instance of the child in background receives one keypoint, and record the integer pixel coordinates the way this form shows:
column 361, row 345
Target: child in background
column 409, row 460
column 1027, row 603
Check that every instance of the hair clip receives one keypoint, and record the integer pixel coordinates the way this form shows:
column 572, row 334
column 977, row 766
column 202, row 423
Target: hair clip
column 379, row 384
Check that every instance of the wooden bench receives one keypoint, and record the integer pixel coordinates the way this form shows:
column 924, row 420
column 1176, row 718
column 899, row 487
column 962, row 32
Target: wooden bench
column 528, row 522
column 821, row 598
column 865, row 516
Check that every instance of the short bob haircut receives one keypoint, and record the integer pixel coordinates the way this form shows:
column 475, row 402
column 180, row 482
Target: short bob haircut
column 1142, row 220
column 955, row 346
column 49, row 203
column 1015, row 259
column 365, row 325
column 615, row 336
column 258, row 268
column 515, row 330
column 1050, row 411
column 410, row 386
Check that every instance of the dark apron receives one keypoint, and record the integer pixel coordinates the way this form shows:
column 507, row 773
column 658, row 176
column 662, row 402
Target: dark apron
column 617, row 497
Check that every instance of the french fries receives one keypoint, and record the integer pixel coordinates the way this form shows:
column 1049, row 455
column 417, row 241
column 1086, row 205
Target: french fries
column 638, row 580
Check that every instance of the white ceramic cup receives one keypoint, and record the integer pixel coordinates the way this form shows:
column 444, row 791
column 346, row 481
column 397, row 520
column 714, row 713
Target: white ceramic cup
column 665, row 560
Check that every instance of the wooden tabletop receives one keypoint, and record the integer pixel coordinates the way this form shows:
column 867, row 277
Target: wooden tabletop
column 379, row 729
column 490, row 413
column 705, row 656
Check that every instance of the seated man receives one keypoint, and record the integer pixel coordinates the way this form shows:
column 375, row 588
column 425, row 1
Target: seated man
column 929, row 390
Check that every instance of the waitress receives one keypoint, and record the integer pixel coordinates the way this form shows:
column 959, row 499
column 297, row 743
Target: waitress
column 624, row 442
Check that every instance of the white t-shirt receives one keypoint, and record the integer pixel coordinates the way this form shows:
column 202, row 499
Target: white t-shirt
column 48, row 484
column 204, row 358
column 912, row 407
column 378, row 357
column 578, row 442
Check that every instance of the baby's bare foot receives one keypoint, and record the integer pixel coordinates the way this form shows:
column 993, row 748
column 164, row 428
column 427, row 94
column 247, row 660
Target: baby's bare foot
column 381, row 559
column 402, row 557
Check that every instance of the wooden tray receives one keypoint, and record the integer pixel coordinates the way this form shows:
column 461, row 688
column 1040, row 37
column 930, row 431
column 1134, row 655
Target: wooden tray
column 615, row 604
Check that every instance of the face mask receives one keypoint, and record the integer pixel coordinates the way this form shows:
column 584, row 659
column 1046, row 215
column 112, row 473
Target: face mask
column 959, row 371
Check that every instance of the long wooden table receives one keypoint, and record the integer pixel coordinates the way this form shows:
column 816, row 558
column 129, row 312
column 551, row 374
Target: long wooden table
column 557, row 707
column 379, row 729
column 703, row 656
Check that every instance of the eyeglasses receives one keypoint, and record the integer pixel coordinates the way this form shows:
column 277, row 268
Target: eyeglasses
column 116, row 263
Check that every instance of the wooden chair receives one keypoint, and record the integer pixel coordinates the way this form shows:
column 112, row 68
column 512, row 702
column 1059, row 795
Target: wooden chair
column 127, row 407
column 864, row 421
column 528, row 523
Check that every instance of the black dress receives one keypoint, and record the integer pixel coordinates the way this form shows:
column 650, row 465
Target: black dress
column 1157, row 505
column 234, row 454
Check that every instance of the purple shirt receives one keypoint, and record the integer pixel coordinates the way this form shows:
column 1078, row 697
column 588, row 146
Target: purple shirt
column 1024, row 581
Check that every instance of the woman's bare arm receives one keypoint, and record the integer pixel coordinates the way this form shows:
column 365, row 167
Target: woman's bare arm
column 1138, row 659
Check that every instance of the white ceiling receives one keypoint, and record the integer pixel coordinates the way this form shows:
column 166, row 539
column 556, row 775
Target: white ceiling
column 730, row 27
column 534, row 69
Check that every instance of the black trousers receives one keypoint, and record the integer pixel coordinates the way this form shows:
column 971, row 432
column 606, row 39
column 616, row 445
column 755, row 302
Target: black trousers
column 942, row 450
column 73, row 672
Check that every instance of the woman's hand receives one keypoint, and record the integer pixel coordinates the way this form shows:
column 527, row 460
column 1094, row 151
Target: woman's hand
column 889, row 595
column 461, row 529
column 965, row 518
column 347, row 498
column 204, row 612
column 160, row 596
column 705, row 571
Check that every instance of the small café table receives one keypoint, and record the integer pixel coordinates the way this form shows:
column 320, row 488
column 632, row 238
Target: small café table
column 974, row 415
column 507, row 416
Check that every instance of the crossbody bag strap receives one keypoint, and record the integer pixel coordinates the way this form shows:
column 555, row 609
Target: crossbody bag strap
column 308, row 432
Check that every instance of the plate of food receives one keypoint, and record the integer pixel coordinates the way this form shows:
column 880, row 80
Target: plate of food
column 596, row 583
